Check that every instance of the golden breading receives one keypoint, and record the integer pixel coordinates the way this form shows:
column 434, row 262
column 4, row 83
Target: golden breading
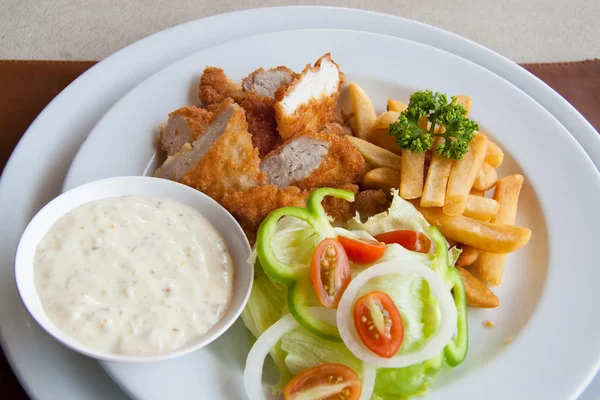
column 215, row 87
column 297, row 110
column 231, row 164
column 342, row 165
column 260, row 115
column 339, row 209
column 367, row 203
column 251, row 207
column 183, row 126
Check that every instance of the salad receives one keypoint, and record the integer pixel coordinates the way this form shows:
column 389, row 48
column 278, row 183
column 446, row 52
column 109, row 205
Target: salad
column 372, row 309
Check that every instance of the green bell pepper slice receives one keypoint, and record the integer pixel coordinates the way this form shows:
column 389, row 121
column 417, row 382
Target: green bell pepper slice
column 298, row 305
column 297, row 277
column 456, row 351
column 314, row 215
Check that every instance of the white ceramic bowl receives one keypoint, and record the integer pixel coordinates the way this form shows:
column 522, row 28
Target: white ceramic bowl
column 133, row 186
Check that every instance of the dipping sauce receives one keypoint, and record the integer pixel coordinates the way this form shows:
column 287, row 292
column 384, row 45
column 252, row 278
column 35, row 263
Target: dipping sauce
column 134, row 275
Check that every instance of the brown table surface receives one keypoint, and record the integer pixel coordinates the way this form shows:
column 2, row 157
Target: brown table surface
column 26, row 87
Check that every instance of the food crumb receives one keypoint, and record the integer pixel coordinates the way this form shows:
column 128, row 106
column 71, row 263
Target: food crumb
column 488, row 324
column 508, row 340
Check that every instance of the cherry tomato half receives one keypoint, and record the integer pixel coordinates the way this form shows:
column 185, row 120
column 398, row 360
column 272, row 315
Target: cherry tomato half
column 330, row 272
column 379, row 323
column 325, row 381
column 362, row 251
column 411, row 240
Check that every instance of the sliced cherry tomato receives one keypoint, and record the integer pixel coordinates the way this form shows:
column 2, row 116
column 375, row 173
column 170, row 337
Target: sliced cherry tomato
column 379, row 323
column 324, row 382
column 330, row 272
column 411, row 240
column 362, row 251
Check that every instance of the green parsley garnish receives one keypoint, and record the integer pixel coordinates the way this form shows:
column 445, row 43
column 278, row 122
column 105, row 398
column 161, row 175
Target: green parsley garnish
column 458, row 129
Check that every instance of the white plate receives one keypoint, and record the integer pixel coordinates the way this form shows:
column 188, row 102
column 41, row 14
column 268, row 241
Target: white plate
column 46, row 369
column 536, row 282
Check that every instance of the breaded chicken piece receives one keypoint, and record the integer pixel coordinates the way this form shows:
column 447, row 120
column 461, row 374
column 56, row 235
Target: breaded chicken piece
column 339, row 209
column 309, row 102
column 251, row 207
column 215, row 87
column 222, row 160
column 265, row 83
column 260, row 87
column 261, row 123
column 367, row 203
column 183, row 126
column 337, row 128
column 314, row 160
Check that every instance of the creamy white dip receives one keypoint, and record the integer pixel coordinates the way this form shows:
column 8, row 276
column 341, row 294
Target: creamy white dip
column 134, row 275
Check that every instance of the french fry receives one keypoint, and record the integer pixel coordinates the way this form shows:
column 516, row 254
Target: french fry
column 467, row 257
column 465, row 101
column 412, row 174
column 381, row 178
column 476, row 192
column 494, row 155
column 379, row 133
column 364, row 113
column 484, row 236
column 462, row 176
column 490, row 267
column 481, row 208
column 478, row 295
column 451, row 242
column 395, row 105
column 386, row 118
column 486, row 177
column 376, row 156
column 434, row 191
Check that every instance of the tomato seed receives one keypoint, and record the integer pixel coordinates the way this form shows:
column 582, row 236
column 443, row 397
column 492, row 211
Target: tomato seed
column 330, row 252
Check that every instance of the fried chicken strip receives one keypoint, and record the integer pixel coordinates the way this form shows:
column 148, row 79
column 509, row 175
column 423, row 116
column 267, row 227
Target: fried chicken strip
column 215, row 86
column 221, row 160
column 314, row 160
column 183, row 126
column 260, row 87
column 309, row 102
column 251, row 207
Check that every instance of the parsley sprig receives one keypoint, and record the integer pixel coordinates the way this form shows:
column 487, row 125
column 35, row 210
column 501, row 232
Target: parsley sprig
column 451, row 115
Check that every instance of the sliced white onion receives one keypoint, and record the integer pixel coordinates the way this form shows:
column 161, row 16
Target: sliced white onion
column 256, row 357
column 433, row 346
column 252, row 257
column 258, row 353
column 369, row 375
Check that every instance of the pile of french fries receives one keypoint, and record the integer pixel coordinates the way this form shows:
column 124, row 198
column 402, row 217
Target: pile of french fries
column 450, row 194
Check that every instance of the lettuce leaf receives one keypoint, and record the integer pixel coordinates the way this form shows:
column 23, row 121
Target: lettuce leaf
column 415, row 303
column 420, row 316
column 305, row 350
column 265, row 306
column 401, row 383
column 294, row 241
column 401, row 215
column 453, row 254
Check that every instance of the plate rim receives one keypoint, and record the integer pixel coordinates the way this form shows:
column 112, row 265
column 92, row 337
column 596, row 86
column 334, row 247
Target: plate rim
column 476, row 51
